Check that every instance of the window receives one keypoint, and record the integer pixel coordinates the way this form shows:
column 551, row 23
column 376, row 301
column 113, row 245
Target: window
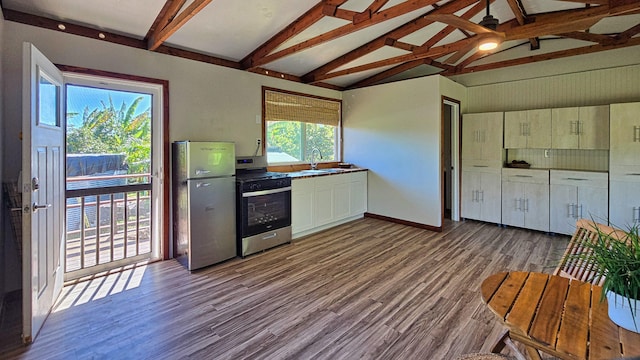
column 295, row 124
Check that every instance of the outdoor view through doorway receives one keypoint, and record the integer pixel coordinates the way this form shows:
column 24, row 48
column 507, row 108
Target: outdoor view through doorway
column 108, row 178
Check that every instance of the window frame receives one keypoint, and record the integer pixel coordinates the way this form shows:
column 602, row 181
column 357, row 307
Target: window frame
column 338, row 144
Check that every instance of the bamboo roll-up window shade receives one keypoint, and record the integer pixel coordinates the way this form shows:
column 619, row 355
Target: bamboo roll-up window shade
column 290, row 107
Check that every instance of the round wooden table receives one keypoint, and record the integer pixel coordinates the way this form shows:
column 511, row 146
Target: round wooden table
column 564, row 318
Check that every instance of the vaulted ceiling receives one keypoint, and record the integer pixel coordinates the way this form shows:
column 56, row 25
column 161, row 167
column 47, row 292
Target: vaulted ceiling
column 346, row 44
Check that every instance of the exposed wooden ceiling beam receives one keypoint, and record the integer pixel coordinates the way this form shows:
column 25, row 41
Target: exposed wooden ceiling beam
column 543, row 57
column 379, row 42
column 160, row 36
column 389, row 73
column 433, row 52
column 591, row 2
column 596, row 38
column 168, row 12
column 303, row 22
column 377, row 18
column 375, row 6
column 629, row 33
column 521, row 17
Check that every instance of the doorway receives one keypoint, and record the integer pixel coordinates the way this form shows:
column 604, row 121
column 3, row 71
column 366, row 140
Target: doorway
column 450, row 159
column 114, row 192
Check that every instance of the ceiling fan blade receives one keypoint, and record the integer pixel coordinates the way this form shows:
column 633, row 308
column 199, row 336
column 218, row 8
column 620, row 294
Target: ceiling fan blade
column 461, row 23
column 550, row 26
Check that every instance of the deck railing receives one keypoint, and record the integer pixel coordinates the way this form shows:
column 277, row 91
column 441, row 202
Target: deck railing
column 108, row 221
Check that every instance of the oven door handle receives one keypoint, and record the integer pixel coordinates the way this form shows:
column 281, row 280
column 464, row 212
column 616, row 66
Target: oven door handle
column 266, row 192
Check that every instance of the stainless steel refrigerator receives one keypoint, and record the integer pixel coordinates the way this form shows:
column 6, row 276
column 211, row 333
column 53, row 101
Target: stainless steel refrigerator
column 204, row 220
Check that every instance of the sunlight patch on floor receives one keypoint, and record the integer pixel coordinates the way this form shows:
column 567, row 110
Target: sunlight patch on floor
column 101, row 285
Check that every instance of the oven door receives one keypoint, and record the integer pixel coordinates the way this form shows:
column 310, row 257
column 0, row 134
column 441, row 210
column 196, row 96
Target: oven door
column 265, row 210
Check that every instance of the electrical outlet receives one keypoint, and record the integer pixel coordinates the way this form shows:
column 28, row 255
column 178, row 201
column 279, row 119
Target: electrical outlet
column 258, row 141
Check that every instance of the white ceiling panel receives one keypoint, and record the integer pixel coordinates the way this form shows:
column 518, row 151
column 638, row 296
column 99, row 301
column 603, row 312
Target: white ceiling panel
column 421, row 36
column 418, row 71
column 545, row 6
column 615, row 25
column 231, row 29
column 320, row 27
column 547, row 45
column 132, row 18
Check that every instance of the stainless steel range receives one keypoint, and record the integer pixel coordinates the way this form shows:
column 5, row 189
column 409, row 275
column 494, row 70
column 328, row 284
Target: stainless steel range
column 263, row 206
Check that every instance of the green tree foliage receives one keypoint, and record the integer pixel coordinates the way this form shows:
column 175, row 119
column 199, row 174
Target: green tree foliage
column 108, row 130
column 286, row 137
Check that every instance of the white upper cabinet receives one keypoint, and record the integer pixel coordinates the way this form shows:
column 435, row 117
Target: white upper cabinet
column 482, row 138
column 527, row 129
column 580, row 128
column 625, row 134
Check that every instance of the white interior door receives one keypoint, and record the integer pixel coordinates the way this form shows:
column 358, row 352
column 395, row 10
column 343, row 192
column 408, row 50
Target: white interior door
column 42, row 188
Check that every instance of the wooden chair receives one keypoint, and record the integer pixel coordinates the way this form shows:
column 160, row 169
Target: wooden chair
column 573, row 267
column 582, row 268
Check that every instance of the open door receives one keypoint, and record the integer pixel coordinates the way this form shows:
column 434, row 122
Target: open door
column 43, row 124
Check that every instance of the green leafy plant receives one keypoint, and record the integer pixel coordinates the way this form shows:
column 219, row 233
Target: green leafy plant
column 616, row 256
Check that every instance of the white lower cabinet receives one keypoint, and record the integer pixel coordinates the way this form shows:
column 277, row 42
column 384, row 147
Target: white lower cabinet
column 320, row 202
column 481, row 194
column 624, row 191
column 576, row 195
column 525, row 198
column 302, row 204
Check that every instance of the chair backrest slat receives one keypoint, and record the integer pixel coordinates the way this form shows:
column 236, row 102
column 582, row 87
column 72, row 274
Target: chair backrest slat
column 576, row 262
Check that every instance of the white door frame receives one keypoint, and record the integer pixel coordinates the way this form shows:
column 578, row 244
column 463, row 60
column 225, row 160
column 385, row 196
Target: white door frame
column 455, row 158
column 157, row 146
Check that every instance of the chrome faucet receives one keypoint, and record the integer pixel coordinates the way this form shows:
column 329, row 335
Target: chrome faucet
column 314, row 162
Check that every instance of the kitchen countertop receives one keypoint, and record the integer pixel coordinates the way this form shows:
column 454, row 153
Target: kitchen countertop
column 322, row 172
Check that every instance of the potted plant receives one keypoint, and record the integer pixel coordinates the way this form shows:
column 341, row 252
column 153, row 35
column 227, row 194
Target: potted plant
column 616, row 256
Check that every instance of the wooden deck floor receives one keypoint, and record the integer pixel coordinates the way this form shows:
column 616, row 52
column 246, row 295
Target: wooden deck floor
column 368, row 289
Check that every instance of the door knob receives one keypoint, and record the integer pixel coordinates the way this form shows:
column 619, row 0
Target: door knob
column 37, row 207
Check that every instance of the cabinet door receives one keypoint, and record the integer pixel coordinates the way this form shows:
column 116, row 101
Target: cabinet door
column 491, row 136
column 512, row 203
column 491, row 198
column 625, row 134
column 624, row 204
column 564, row 128
column 539, row 129
column 593, row 203
column 469, row 192
column 302, row 204
column 341, row 199
column 594, row 127
column 536, row 207
column 358, row 196
column 515, row 123
column 323, row 201
column 563, row 208
column 471, row 136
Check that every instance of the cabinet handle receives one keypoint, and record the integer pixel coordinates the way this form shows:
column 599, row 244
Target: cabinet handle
column 576, row 179
column 482, row 198
column 518, row 204
column 481, row 166
column 580, row 128
column 633, row 174
column 636, row 134
column 523, row 176
column 636, row 210
column 526, row 205
column 570, row 212
column 580, row 211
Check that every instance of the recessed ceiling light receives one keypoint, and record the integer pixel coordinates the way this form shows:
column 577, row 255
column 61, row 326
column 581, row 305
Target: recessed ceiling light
column 61, row 27
column 102, row 36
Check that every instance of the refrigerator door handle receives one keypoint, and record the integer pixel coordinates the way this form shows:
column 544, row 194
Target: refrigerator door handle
column 202, row 172
column 203, row 184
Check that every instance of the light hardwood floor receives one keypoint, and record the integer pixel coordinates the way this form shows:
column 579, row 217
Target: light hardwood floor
column 368, row 289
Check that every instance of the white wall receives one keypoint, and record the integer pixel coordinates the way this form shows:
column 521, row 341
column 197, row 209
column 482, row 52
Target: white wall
column 207, row 102
column 394, row 131
column 595, row 87
column 4, row 225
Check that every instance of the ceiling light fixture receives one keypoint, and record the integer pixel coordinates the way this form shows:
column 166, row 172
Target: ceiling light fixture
column 490, row 42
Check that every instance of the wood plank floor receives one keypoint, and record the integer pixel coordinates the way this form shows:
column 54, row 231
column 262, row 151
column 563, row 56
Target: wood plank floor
column 368, row 289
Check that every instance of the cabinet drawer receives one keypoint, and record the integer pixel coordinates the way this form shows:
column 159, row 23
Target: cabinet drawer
column 525, row 176
column 629, row 173
column 578, row 178
column 479, row 164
